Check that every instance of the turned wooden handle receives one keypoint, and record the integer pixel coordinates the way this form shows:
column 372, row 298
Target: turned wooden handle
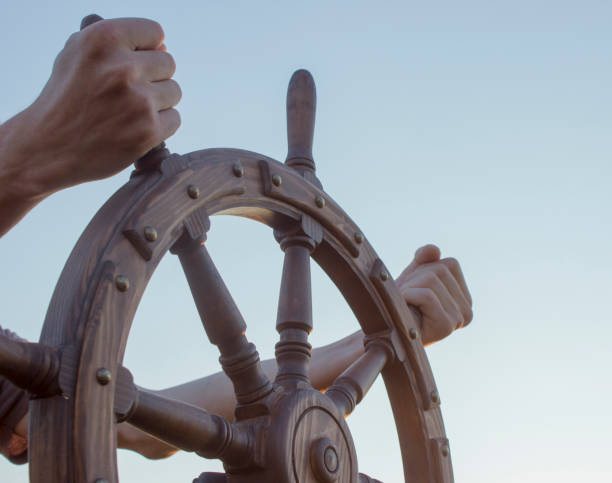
column 89, row 19
column 301, row 107
column 152, row 159
column 30, row 366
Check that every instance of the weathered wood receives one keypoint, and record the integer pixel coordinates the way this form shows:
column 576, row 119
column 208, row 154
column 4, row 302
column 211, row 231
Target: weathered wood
column 352, row 385
column 294, row 316
column 184, row 426
column 222, row 321
column 30, row 366
column 301, row 110
column 92, row 308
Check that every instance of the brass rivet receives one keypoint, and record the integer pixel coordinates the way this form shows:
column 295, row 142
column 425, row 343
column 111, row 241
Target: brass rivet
column 277, row 180
column 320, row 201
column 359, row 237
column 445, row 450
column 103, row 375
column 150, row 233
column 435, row 397
column 193, row 191
column 122, row 283
column 413, row 333
column 238, row 170
column 384, row 275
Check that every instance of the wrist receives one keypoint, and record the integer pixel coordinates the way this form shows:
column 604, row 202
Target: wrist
column 21, row 172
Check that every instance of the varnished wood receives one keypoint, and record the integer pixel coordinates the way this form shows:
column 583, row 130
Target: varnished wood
column 287, row 426
column 352, row 385
column 182, row 425
column 301, row 109
column 222, row 321
column 33, row 367
column 294, row 316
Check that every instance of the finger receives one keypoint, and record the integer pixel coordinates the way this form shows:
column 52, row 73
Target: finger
column 456, row 292
column 429, row 279
column 140, row 33
column 455, row 268
column 155, row 65
column 166, row 94
column 426, row 301
column 431, row 308
column 426, row 254
column 162, row 47
column 169, row 122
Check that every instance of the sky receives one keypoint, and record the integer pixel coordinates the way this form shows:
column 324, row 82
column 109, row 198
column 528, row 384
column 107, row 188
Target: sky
column 482, row 127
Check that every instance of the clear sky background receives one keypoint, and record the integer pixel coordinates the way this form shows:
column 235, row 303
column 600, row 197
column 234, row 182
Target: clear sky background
column 482, row 126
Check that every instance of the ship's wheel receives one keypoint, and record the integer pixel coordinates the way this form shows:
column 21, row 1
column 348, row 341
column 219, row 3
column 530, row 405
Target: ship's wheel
column 284, row 430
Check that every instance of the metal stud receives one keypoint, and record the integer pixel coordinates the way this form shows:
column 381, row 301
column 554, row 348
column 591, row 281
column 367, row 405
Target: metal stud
column 238, row 170
column 320, row 201
column 413, row 333
column 193, row 191
column 359, row 237
column 103, row 376
column 150, row 233
column 384, row 275
column 277, row 180
column 122, row 283
column 445, row 450
column 435, row 397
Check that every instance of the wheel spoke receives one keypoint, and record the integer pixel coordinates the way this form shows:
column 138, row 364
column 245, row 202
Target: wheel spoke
column 294, row 316
column 352, row 385
column 30, row 366
column 180, row 424
column 223, row 322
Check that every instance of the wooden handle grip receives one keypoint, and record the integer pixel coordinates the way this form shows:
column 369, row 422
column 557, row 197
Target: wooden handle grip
column 30, row 366
column 152, row 159
column 89, row 19
column 301, row 107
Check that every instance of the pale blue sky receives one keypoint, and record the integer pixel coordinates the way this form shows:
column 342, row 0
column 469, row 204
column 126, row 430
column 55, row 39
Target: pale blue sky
column 483, row 127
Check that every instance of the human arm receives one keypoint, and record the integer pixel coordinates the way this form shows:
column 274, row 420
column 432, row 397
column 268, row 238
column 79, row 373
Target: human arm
column 433, row 285
column 108, row 101
column 215, row 392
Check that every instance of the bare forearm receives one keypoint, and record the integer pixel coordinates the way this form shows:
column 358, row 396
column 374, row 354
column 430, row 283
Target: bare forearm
column 215, row 392
column 17, row 195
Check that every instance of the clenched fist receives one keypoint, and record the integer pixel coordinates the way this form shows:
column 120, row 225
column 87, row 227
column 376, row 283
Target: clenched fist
column 437, row 288
column 109, row 100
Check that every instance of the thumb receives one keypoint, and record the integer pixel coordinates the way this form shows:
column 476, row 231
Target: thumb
column 426, row 254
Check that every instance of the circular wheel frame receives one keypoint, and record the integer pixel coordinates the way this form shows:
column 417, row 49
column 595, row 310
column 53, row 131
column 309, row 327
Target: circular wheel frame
column 284, row 430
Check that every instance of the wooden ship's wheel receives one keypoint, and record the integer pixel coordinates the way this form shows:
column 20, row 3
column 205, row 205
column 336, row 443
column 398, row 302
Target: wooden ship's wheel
column 284, row 430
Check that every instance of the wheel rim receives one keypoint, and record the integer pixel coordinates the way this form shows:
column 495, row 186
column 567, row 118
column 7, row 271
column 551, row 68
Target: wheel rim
column 88, row 296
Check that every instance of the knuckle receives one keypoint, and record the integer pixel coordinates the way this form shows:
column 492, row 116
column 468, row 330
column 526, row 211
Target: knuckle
column 452, row 263
column 120, row 80
column 171, row 62
column 159, row 31
column 429, row 296
column 430, row 279
column 100, row 37
column 441, row 270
